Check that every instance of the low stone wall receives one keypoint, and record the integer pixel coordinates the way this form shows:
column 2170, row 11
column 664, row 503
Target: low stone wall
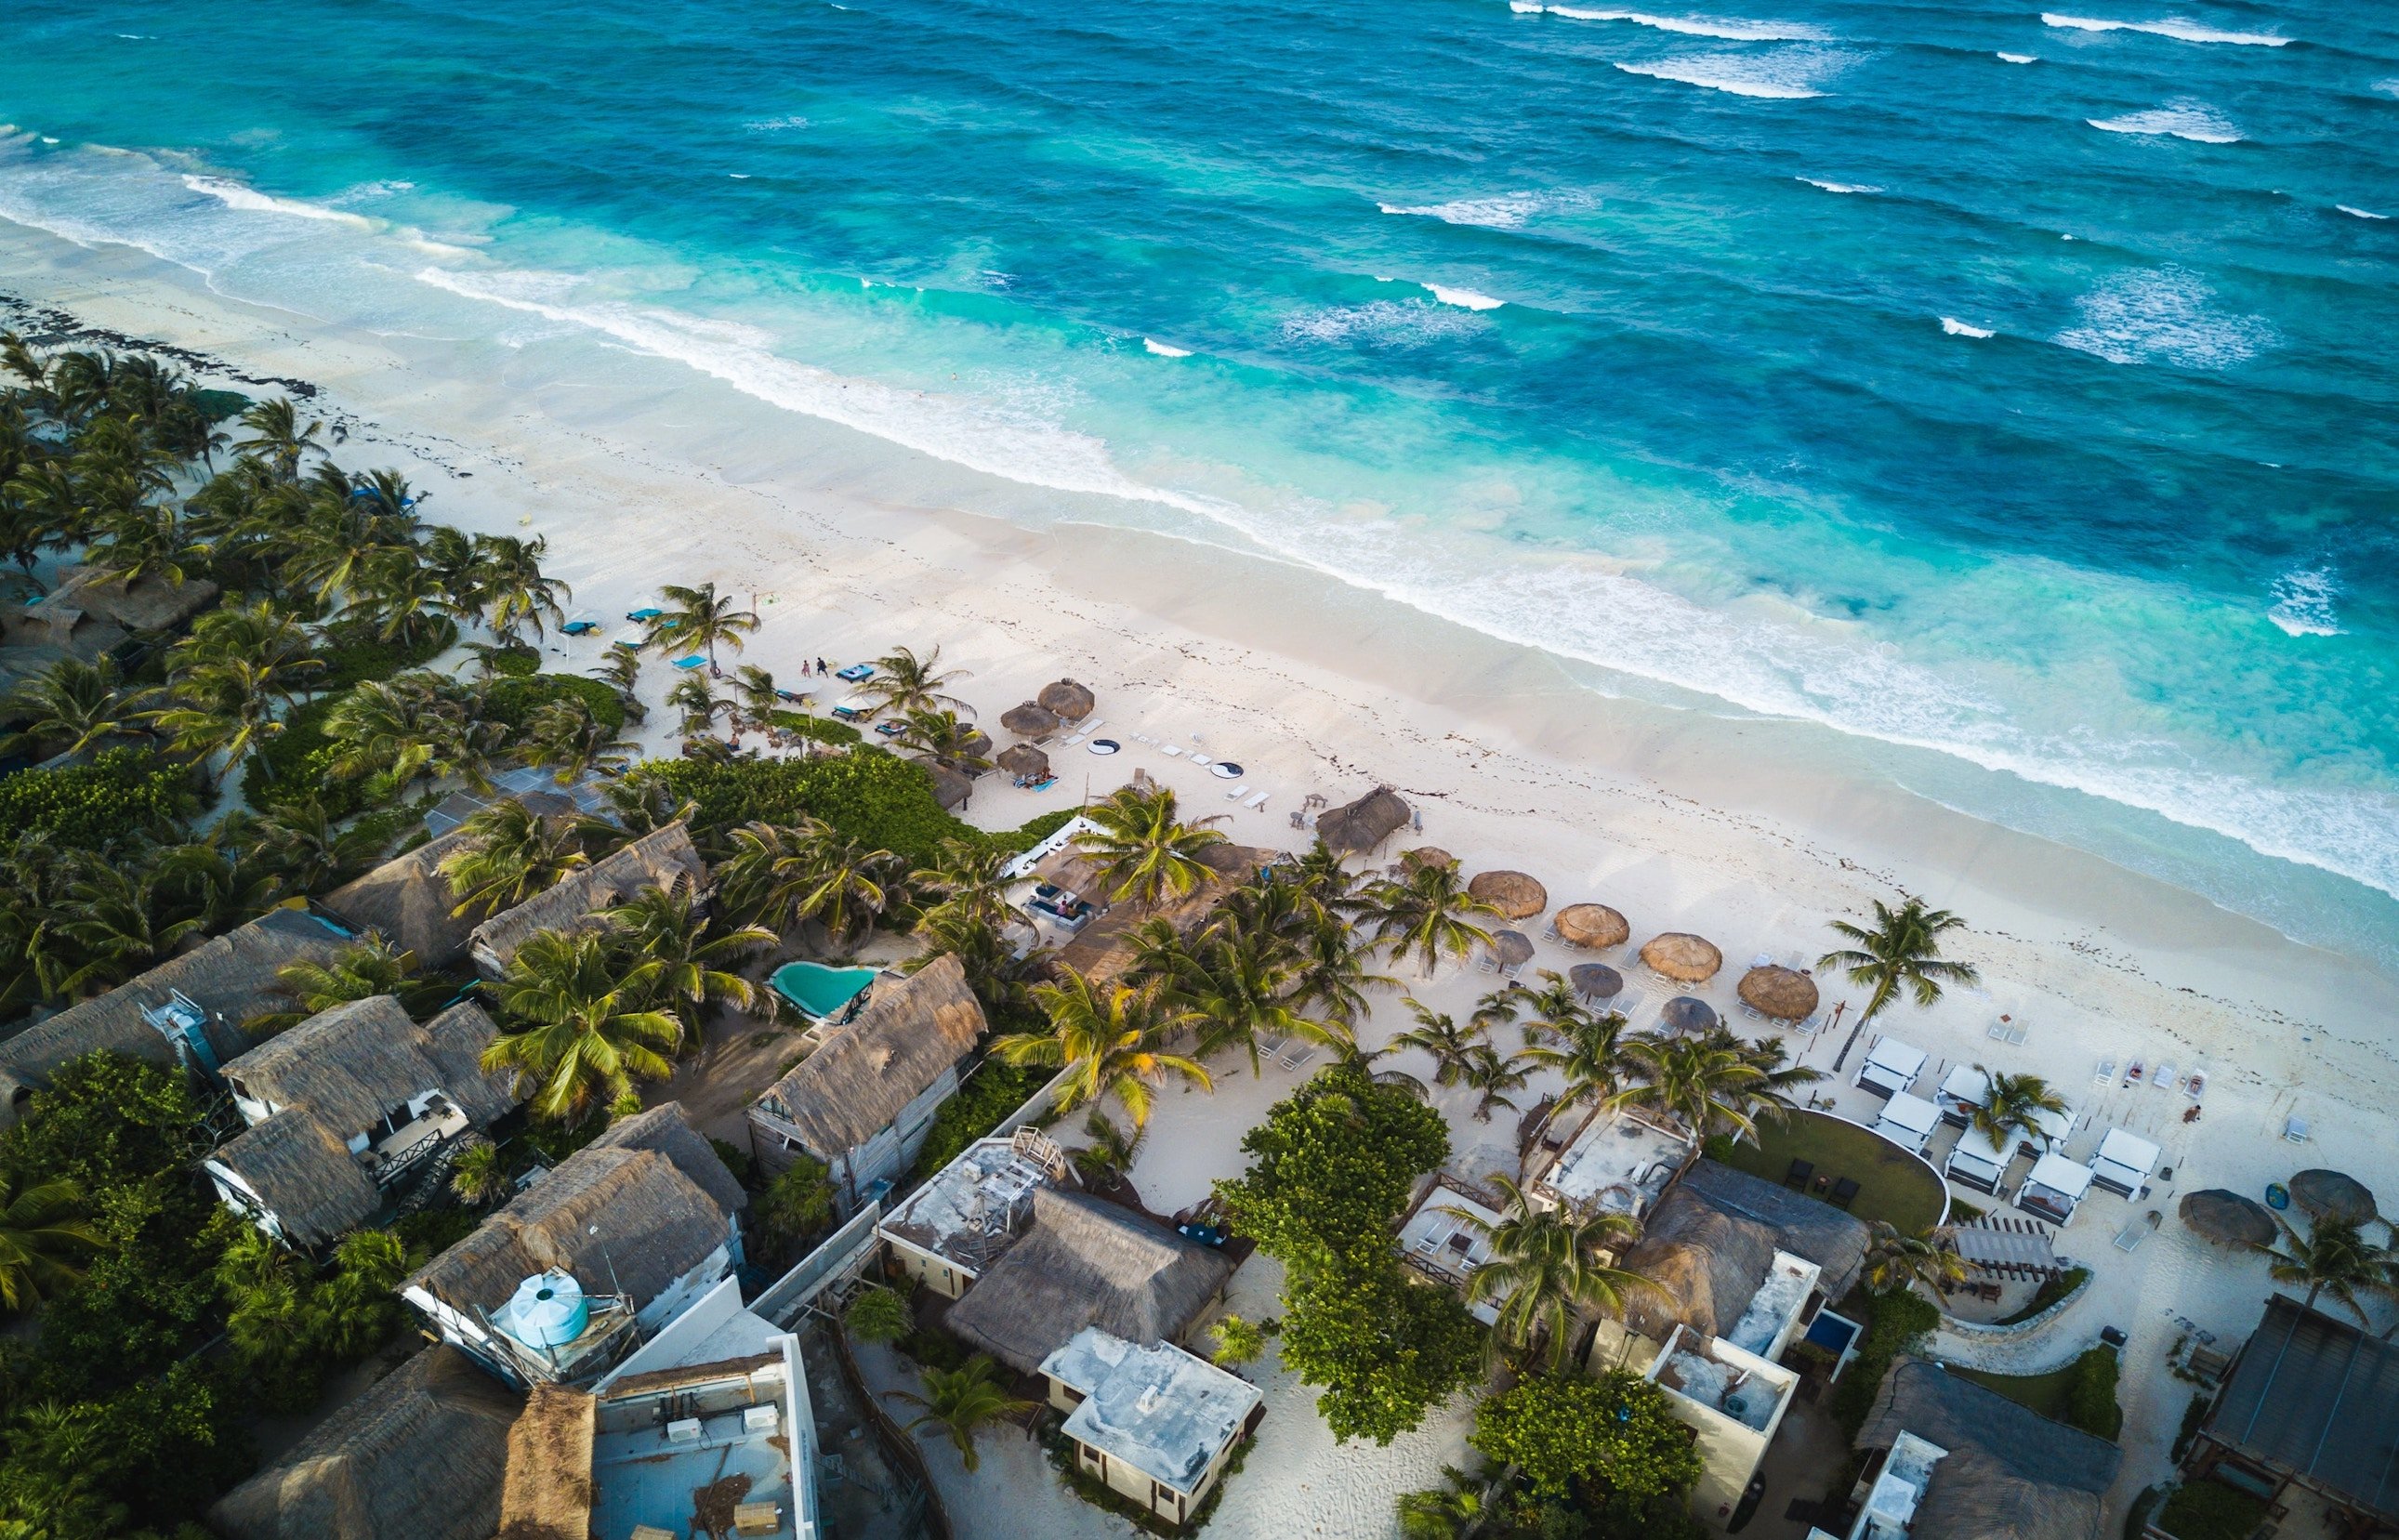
column 2012, row 1330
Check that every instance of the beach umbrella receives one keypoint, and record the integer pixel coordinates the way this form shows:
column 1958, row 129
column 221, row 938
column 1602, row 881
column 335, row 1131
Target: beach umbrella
column 2333, row 1194
column 1682, row 956
column 1512, row 947
column 1785, row 994
column 1427, row 855
column 978, row 745
column 1685, row 1013
column 1595, row 980
column 2227, row 1219
column 1024, row 759
column 1592, row 925
column 1511, row 893
column 951, row 788
column 1067, row 700
column 1031, row 720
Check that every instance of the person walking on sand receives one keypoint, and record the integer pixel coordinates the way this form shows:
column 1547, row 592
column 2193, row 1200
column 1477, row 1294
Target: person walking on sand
column 821, row 665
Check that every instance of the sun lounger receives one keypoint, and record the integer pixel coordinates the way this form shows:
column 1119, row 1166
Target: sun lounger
column 645, row 613
column 1271, row 1046
column 2132, row 1073
column 694, row 661
column 2295, row 1128
column 856, row 672
column 1257, row 803
column 1199, row 758
column 1168, row 751
column 2164, row 1079
column 2107, row 1073
column 1298, row 1056
column 2197, row 1086
column 1490, row 961
column 1238, row 792
column 1087, row 728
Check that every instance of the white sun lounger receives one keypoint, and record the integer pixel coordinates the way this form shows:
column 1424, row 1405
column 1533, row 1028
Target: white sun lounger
column 1298, row 1056
column 2164, row 1079
column 1257, row 804
column 1199, row 758
column 2107, row 1073
column 1238, row 792
column 1087, row 728
column 1170, row 750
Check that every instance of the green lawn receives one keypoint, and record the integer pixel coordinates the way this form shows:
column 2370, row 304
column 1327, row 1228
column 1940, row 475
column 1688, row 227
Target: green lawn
column 2081, row 1394
column 2043, row 1392
column 1892, row 1186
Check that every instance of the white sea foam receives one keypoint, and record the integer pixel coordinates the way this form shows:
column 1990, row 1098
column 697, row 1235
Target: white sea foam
column 2165, row 315
column 2182, row 32
column 2361, row 213
column 2193, row 120
column 2017, row 58
column 1163, row 350
column 1957, row 328
column 775, row 125
column 738, row 176
column 1525, row 8
column 1465, row 299
column 1732, row 73
column 2388, row 87
column 1840, row 186
column 1730, row 29
column 233, row 194
column 1383, row 323
column 1502, row 211
column 2303, row 603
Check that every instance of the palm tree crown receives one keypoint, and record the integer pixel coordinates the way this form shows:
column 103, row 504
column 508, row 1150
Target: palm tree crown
column 1143, row 847
column 1900, row 950
column 1110, row 1038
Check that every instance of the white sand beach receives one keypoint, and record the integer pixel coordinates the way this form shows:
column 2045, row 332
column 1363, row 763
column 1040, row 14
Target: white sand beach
column 641, row 470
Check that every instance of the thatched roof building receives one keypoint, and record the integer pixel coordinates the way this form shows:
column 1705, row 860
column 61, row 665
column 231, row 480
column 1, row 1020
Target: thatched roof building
column 1711, row 1241
column 663, row 858
column 1682, row 956
column 1031, row 720
column 1023, row 760
column 419, row 1456
column 311, row 1091
column 951, row 786
column 1515, row 895
column 1067, row 700
column 409, row 902
column 548, row 1491
column 1360, row 826
column 1099, row 950
column 1592, row 925
column 2009, row 1473
column 230, row 978
column 913, row 1033
column 1085, row 1261
column 1779, row 993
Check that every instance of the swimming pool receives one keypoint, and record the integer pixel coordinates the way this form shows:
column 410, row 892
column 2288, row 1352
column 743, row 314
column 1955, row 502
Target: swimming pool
column 822, row 993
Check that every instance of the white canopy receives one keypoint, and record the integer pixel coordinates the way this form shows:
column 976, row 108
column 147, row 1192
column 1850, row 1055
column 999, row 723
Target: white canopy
column 1910, row 1117
column 2055, row 1126
column 1892, row 1065
column 1975, row 1147
column 2131, row 1150
column 2060, row 1176
column 1965, row 1087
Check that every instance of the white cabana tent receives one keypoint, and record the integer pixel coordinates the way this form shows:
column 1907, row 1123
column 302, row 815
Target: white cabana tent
column 1978, row 1162
column 1962, row 1090
column 2053, row 1128
column 2054, row 1187
column 2123, row 1163
column 1908, row 1121
column 1892, row 1066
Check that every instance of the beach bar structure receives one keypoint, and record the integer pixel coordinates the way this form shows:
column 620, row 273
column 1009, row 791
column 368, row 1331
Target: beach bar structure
column 1613, row 1162
column 2310, row 1403
column 2123, row 1163
column 1155, row 1423
column 1892, row 1067
column 864, row 1100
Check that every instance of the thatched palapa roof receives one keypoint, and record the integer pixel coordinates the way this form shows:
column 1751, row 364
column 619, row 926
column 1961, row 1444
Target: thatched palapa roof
column 1023, row 759
column 857, row 1082
column 663, row 858
column 1067, row 700
column 951, row 788
column 1426, row 855
column 1031, row 720
column 2336, row 1194
column 1682, row 956
column 1360, row 826
column 145, row 604
column 1512, row 947
column 1710, row 1239
column 2226, row 1218
column 409, row 902
column 419, row 1456
column 1688, row 1013
column 2010, row 1473
column 1082, row 1263
column 1592, row 925
column 548, row 1491
column 1595, row 980
column 231, row 978
column 661, row 1198
column 1784, row 995
column 1513, row 894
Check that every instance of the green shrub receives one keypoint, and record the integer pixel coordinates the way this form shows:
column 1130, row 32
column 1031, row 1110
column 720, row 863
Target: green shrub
column 512, row 701
column 353, row 655
column 2192, row 1415
column 2053, row 1289
column 878, row 1316
column 1613, row 1430
column 91, row 805
column 1895, row 1323
column 991, row 1092
column 295, row 765
column 429, row 1231
column 514, row 662
column 819, row 728
column 218, row 405
column 2091, row 1394
column 2210, row 1510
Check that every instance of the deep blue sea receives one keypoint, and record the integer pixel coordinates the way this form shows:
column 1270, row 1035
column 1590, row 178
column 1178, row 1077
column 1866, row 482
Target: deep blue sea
column 2013, row 385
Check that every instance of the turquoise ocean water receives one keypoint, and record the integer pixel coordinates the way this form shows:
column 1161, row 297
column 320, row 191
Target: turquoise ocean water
column 2012, row 393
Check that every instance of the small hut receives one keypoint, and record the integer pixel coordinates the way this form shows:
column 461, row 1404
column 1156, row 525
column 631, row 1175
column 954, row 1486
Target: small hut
column 1031, row 720
column 1067, row 700
column 1362, row 825
column 1511, row 893
column 1686, row 1013
column 1682, row 956
column 1592, row 925
column 1595, row 981
column 1025, row 760
column 1781, row 993
column 2226, row 1218
column 2333, row 1195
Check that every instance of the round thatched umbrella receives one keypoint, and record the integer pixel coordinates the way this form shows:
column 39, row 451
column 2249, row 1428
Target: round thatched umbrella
column 2333, row 1194
column 1595, row 981
column 1785, row 994
column 951, row 788
column 1685, row 1013
column 1023, row 759
column 1067, row 700
column 1031, row 720
column 2227, row 1219
column 1681, row 956
column 1426, row 855
column 1592, row 925
column 1513, row 947
column 977, row 744
column 1511, row 893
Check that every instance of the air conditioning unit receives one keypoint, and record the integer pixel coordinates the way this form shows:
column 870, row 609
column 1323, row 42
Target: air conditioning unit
column 684, row 1430
column 761, row 1419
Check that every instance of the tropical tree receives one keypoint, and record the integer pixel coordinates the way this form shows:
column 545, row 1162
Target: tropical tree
column 278, row 439
column 480, row 1175
column 72, row 706
column 960, row 1401
column 415, row 727
column 1242, row 987
column 583, row 1035
column 698, row 618
column 1467, row 1507
column 1450, row 1046
column 1491, row 1076
column 839, row 883
column 905, row 682
column 509, row 853
column 563, row 736
column 621, row 669
column 1900, row 952
column 1110, row 1039
column 510, row 588
column 1895, row 1260
column 754, row 687
column 691, row 961
column 878, row 1314
column 359, row 972
column 1237, row 1341
column 2334, row 1258
column 310, row 852
column 1144, row 849
column 2012, row 1104
column 699, row 703
column 798, row 1201
column 1590, row 1051
column 1336, row 974
column 1104, row 1161
column 942, row 737
column 970, row 878
column 117, row 922
column 1709, row 1088
column 42, row 1236
column 1545, row 1266
column 1428, row 914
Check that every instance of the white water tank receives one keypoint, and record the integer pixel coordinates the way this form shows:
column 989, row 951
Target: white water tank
column 547, row 1310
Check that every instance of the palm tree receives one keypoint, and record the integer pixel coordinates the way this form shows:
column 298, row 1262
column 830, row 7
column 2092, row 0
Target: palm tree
column 1104, row 1161
column 1550, row 1263
column 1590, row 1051
column 1451, row 1045
column 961, row 1400
column 585, row 1037
column 1708, row 1088
column 303, row 846
column 1110, row 1040
column 691, row 961
column 2334, row 1258
column 72, row 705
column 359, row 972
column 1144, row 849
column 2012, row 1103
column 905, row 682
column 41, row 1226
column 1241, row 987
column 511, row 589
column 411, row 727
column 940, row 737
column 1492, row 1075
column 696, row 618
column 1469, row 1507
column 117, row 924
column 699, row 704
column 1901, row 949
column 754, row 687
column 798, row 1201
column 1555, row 1011
column 1337, row 974
column 1428, row 914
column 620, row 667
column 970, row 878
column 565, row 736
column 276, row 437
column 840, row 884
column 480, row 1175
column 1895, row 1260
column 509, row 853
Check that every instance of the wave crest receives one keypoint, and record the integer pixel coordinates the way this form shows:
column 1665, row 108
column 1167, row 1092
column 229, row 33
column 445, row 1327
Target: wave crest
column 2192, row 121
column 2181, row 32
column 1730, row 29
column 2165, row 316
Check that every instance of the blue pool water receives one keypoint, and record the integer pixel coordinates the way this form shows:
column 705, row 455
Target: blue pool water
column 2014, row 387
column 823, row 994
